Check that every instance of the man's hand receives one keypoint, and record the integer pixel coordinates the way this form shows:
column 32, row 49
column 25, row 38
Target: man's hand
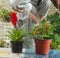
column 35, row 19
column 18, row 9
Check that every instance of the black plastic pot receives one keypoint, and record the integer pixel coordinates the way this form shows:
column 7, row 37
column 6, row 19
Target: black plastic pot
column 17, row 46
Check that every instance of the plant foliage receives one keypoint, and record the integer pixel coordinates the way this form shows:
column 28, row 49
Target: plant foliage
column 55, row 21
column 43, row 30
column 5, row 14
column 16, row 35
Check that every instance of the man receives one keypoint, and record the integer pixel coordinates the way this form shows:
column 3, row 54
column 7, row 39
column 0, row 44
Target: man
column 39, row 10
column 56, row 4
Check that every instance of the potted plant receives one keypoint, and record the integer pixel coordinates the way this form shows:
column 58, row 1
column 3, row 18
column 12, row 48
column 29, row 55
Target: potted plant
column 55, row 21
column 16, row 37
column 41, row 35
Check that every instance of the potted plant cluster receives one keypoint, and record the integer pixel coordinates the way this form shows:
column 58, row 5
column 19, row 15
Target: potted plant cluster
column 16, row 37
column 41, row 35
column 55, row 21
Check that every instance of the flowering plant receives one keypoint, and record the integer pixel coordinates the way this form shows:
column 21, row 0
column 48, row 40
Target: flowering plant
column 43, row 30
column 14, row 19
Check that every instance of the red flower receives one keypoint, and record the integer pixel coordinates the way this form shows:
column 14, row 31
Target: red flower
column 14, row 19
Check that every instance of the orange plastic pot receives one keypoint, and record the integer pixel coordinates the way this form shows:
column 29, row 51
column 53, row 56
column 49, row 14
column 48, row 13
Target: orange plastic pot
column 42, row 46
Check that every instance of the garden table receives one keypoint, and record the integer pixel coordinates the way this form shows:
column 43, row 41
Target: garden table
column 27, row 53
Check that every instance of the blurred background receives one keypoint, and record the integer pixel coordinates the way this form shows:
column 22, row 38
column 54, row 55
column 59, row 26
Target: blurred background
column 5, row 25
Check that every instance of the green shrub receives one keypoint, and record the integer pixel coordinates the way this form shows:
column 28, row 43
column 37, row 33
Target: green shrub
column 55, row 21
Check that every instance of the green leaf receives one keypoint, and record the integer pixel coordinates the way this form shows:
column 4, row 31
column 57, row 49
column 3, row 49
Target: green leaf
column 16, row 35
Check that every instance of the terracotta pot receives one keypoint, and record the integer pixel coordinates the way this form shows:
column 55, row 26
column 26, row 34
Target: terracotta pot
column 42, row 46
